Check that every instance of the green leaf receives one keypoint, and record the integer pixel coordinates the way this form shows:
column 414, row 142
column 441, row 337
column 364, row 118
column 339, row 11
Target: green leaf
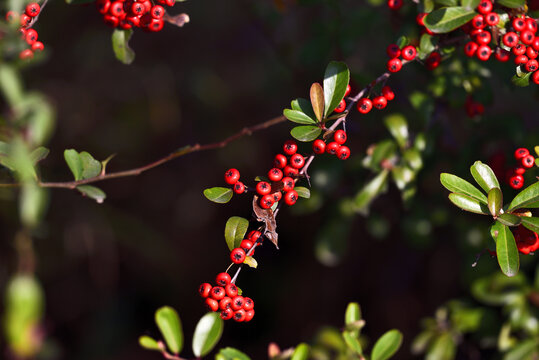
column 398, row 127
column 93, row 193
column 169, row 324
column 448, row 19
column 352, row 314
column 317, row 100
column 372, row 189
column 304, row 106
column 523, row 350
column 460, row 186
column 78, row 2
column 235, row 230
column 352, row 342
column 387, row 345
column 120, row 45
column 219, row 195
column 39, row 154
column 507, row 252
column 74, row 162
column 305, row 133
column 531, row 223
column 511, row 3
column 336, row 80
column 20, row 161
column 303, row 192
column 509, row 219
column 32, row 204
column 443, row 348
column 447, row 2
column 521, row 81
column 207, row 333
column 402, row 176
column 469, row 204
column 148, row 343
column 470, row 4
column 11, row 84
column 298, row 117
column 484, row 176
column 402, row 41
column 495, row 201
column 427, row 44
column 527, row 196
column 251, row 262
column 385, row 149
column 301, row 352
column 229, row 353
column 90, row 166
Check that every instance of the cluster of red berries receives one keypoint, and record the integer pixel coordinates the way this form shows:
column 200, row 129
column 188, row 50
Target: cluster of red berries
column 527, row 240
column 247, row 246
column 224, row 298
column 364, row 105
column 28, row 34
column 473, row 108
column 335, row 147
column 127, row 14
column 527, row 161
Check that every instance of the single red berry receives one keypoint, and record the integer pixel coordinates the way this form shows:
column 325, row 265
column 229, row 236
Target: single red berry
column 420, row 19
column 263, row 188
column 492, row 19
column 341, row 107
column 510, row 39
column 379, row 102
column 246, row 245
column 26, row 54
column 254, row 235
column 266, row 201
column 319, row 146
column 474, row 32
column 25, row 20
column 288, row 183
column 484, row 7
column 31, row 36
column 516, row 182
column 531, row 25
column 521, row 60
column 38, row 46
column 231, row 290
column 470, row 48
column 237, row 255
column 478, row 22
column 145, row 21
column 394, row 65
column 520, row 170
column 531, row 65
column 33, row 9
column 364, row 105
column 277, row 196
column 232, row 176
column 280, row 161
column 521, row 153
column 124, row 23
column 248, row 303
column 156, row 25
column 394, row 4
column 348, row 89
column 340, row 136
column 275, row 174
column 483, row 52
column 103, row 6
column 212, row 304
column 297, row 161
column 290, row 147
column 225, row 302
column 239, row 315
column 502, row 55
column 535, row 43
column 343, row 153
column 290, row 171
column 528, row 161
column 137, row 9
column 519, row 49
column 204, row 290
column 239, row 187
column 147, row 6
column 217, row 293
column 409, row 52
column 133, row 21
column 332, row 147
column 433, row 60
column 291, row 197
column 527, row 37
column 531, row 53
column 483, row 38
column 388, row 93
column 11, row 16
column 170, row 2
column 227, row 314
column 223, row 279
column 237, row 302
column 117, row 9
column 393, row 51
column 157, row 12
column 519, row 24
column 249, row 315
column 535, row 77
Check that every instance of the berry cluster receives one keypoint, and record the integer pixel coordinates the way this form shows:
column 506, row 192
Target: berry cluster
column 527, row 161
column 517, row 37
column 247, row 247
column 127, row 14
column 527, row 240
column 26, row 21
column 224, row 297
column 335, row 147
column 364, row 105
column 394, row 64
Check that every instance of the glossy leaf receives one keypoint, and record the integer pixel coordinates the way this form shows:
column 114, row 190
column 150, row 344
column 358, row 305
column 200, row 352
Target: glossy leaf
column 448, row 19
column 235, row 230
column 336, row 80
column 39, row 154
column 495, row 201
column 398, row 127
column 521, row 81
column 90, row 166
column 207, row 333
column 511, row 3
column 447, row 2
column 74, row 162
column 352, row 342
column 443, row 348
column 304, row 106
column 387, row 345
column 169, row 324
column 531, row 223
column 526, row 197
column 317, row 100
column 460, row 186
column 352, row 314
column 301, row 352
column 298, row 117
column 370, row 191
column 148, row 343
column 484, row 176
column 93, row 193
column 219, row 195
column 305, row 133
column 469, row 204
column 120, row 46
column 251, row 262
column 427, row 44
column 303, row 192
column 509, row 219
column 470, row 4
column 229, row 353
column 507, row 252
column 402, row 41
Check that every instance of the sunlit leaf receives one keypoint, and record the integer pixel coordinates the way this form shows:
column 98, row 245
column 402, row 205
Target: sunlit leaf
column 207, row 333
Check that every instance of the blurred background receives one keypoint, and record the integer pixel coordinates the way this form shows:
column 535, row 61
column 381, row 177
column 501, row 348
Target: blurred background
column 105, row 268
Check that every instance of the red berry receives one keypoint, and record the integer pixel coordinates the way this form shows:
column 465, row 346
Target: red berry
column 277, row 196
column 254, row 235
column 204, row 290
column 231, row 290
column 535, row 77
column 502, row 55
column 297, row 161
column 379, row 102
column 25, row 20
column 478, row 22
column 394, row 65
column 510, row 39
column 528, row 161
column 470, row 48
column 519, row 24
column 232, row 176
column 38, row 46
column 239, row 315
column 117, row 9
column 225, row 302
column 484, row 7
column 409, row 52
column 420, row 19
column 103, row 6
column 26, row 54
column 227, row 314
column 157, row 12
column 290, row 147
column 343, row 153
column 217, row 293
column 527, row 37
column 246, row 245
column 521, row 153
column 531, row 25
column 266, row 201
column 290, row 171
column 348, row 89
column 340, row 137
column 433, row 60
column 332, row 147
column 520, row 170
column 275, row 174
column 393, row 51
column 531, row 53
column 291, row 197
column 341, row 107
column 483, row 52
column 170, row 2
column 11, row 16
column 237, row 255
column 280, row 161
column 110, row 20
column 212, row 304
column 137, row 9
column 394, row 4
column 248, row 303
column 263, row 188
column 492, row 19
column 237, row 303
column 239, row 187
column 516, row 182
column 519, row 49
column 319, row 146
column 531, row 65
column 147, row 5
column 288, row 184
column 364, row 105
column 388, row 93
column 483, row 38
column 31, row 36
column 223, row 279
column 249, row 315
column 32, row 9
column 156, row 25
column 521, row 60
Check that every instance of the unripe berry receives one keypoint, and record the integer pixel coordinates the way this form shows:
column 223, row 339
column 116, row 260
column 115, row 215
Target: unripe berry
column 280, row 161
column 266, row 201
column 332, row 147
column 364, row 105
column 341, row 107
column 319, row 146
column 394, row 65
column 212, row 304
column 409, row 52
column 290, row 147
column 379, row 102
column 237, row 255
column 231, row 290
column 288, row 183
column 232, row 176
column 223, row 279
column 239, row 187
column 528, row 161
column 340, row 137
column 343, row 153
column 204, row 290
column 297, row 161
column 388, row 93
column 291, row 197
column 393, row 51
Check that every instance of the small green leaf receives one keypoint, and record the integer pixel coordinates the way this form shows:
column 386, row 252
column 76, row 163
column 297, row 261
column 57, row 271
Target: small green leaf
column 235, row 230
column 120, row 45
column 387, row 345
column 470, row 4
column 469, row 204
column 303, row 192
column 523, row 350
column 507, row 252
column 298, row 117
column 336, row 80
column 251, row 262
column 402, row 41
column 450, row 3
column 526, row 197
column 521, row 81
column 317, row 100
column 93, row 193
column 536, row 148
column 513, row 4
column 458, row 185
column 169, row 324
column 90, row 166
column 301, row 352
column 495, row 201
column 78, row 2
column 39, row 154
column 207, row 333
column 352, row 342
column 398, row 127
column 305, row 133
column 11, row 84
column 148, row 343
column 509, row 219
column 484, row 176
column 402, row 176
column 33, row 202
column 352, row 314
column 442, row 348
column 229, row 353
column 448, row 19
column 370, row 191
column 304, row 106
column 427, row 44
column 74, row 162
column 531, row 223
column 219, row 195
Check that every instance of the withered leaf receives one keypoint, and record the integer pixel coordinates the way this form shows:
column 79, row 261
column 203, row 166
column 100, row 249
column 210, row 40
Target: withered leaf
column 178, row 20
column 266, row 216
